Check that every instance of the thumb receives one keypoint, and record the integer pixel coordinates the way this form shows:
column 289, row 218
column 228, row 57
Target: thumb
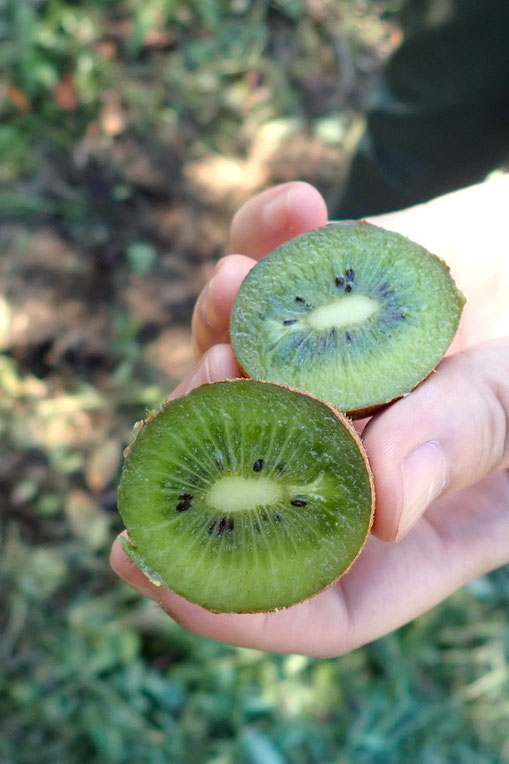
column 449, row 433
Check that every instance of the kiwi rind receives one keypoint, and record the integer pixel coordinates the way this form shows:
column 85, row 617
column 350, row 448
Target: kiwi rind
column 138, row 556
column 271, row 287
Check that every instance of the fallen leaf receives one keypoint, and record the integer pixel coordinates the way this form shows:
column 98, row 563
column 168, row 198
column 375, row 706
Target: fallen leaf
column 65, row 94
column 102, row 465
column 19, row 99
column 86, row 519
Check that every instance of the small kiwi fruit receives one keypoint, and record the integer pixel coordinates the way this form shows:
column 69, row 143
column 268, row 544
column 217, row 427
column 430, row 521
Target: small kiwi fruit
column 351, row 313
column 245, row 496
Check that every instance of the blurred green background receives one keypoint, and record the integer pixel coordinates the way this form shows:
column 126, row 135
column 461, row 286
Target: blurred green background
column 130, row 131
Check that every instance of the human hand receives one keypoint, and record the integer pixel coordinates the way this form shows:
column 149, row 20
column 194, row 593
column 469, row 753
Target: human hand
column 440, row 456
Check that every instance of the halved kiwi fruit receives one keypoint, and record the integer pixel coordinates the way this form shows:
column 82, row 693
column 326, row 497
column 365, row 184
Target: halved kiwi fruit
column 245, row 496
column 352, row 313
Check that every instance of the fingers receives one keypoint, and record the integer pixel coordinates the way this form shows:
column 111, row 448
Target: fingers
column 274, row 216
column 281, row 631
column 211, row 316
column 387, row 586
column 449, row 433
column 216, row 365
column 260, row 225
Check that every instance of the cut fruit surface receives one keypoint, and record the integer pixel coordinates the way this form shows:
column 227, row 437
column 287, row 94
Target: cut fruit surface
column 245, row 496
column 350, row 312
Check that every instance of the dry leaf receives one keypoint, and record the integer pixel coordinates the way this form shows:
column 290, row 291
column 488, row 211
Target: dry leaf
column 102, row 465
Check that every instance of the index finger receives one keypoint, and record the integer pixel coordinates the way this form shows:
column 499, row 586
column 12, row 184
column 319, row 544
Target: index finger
column 274, row 216
column 261, row 224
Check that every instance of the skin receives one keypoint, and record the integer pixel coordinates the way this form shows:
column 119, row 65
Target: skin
column 440, row 456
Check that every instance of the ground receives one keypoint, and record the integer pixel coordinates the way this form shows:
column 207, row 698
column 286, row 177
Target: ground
column 130, row 132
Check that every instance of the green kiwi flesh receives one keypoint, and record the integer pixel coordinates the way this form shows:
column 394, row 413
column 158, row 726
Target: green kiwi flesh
column 245, row 496
column 351, row 313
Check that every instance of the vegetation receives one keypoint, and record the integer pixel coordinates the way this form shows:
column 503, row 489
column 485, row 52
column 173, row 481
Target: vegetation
column 129, row 132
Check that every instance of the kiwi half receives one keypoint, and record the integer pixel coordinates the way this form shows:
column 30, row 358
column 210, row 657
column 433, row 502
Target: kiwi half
column 245, row 496
column 352, row 313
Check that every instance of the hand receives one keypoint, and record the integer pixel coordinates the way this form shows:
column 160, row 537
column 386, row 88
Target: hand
column 440, row 455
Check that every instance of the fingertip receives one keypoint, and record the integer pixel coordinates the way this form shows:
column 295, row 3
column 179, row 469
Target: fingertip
column 297, row 209
column 307, row 206
column 384, row 442
column 217, row 364
column 211, row 316
column 276, row 215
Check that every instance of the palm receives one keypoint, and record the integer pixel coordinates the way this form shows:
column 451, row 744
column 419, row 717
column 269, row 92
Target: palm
column 461, row 535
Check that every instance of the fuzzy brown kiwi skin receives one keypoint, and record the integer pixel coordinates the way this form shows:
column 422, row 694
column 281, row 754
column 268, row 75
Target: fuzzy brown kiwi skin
column 352, row 431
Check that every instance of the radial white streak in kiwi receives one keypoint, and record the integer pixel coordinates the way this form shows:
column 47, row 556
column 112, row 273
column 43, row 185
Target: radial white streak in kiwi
column 232, row 459
column 252, row 540
column 285, row 526
column 231, row 493
column 207, row 463
column 284, row 445
column 347, row 310
column 298, row 347
column 261, row 533
column 206, row 430
column 281, row 448
column 186, row 468
column 198, row 550
column 317, row 486
column 153, row 526
column 174, row 488
column 300, row 520
column 218, row 563
column 269, row 449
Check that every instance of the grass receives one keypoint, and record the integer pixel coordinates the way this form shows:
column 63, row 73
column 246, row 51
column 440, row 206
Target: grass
column 117, row 120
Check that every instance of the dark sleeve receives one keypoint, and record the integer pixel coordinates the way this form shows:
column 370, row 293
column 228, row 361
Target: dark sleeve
column 439, row 117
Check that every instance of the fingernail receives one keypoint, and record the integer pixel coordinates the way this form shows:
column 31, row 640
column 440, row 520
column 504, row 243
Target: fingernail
column 424, row 474
column 207, row 306
column 275, row 212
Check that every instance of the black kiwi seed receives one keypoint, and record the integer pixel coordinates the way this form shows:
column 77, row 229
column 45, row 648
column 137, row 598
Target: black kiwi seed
column 302, row 301
column 289, row 321
column 183, row 506
column 281, row 467
column 340, row 281
column 349, row 273
column 348, row 288
column 258, row 465
column 278, row 517
column 399, row 315
column 221, row 526
column 348, row 336
column 298, row 502
column 231, row 524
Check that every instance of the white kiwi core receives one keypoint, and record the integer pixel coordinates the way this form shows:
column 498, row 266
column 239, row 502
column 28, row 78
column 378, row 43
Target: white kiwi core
column 232, row 493
column 350, row 309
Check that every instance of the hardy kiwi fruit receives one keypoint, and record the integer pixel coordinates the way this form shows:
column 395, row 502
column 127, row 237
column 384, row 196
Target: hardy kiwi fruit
column 245, row 496
column 351, row 313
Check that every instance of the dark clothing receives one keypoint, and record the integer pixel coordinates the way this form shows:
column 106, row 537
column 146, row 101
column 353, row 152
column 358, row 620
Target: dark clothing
column 439, row 118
